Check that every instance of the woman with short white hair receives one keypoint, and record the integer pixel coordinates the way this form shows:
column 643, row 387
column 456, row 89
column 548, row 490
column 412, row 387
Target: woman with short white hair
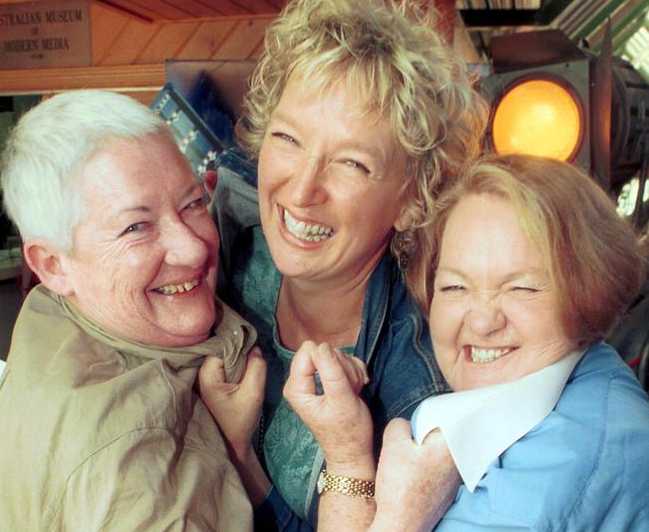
column 102, row 425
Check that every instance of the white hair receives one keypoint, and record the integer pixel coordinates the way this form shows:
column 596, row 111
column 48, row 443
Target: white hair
column 47, row 149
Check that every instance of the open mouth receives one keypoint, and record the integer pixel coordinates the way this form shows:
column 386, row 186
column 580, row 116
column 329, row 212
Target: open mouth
column 308, row 232
column 485, row 355
column 178, row 288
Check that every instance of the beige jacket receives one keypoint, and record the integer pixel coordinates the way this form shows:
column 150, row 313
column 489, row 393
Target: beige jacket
column 99, row 433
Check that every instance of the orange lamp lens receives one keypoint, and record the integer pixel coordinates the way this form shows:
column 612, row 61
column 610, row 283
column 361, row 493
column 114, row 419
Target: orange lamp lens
column 537, row 117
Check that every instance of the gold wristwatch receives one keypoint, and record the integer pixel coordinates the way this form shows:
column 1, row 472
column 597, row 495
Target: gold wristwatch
column 353, row 487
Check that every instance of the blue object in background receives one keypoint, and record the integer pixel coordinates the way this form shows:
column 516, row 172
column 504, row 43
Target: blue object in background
column 205, row 99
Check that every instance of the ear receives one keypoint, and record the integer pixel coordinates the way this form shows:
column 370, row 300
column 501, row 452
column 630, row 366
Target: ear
column 405, row 219
column 47, row 263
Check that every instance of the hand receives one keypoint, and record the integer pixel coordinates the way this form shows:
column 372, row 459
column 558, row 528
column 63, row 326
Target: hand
column 235, row 407
column 339, row 419
column 415, row 484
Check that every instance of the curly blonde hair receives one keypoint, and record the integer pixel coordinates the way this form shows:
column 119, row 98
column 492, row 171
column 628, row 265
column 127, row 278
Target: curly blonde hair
column 393, row 55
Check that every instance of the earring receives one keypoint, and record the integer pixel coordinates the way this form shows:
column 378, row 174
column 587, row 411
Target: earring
column 404, row 247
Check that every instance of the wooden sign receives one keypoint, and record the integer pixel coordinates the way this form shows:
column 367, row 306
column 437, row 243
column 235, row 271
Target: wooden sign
column 45, row 34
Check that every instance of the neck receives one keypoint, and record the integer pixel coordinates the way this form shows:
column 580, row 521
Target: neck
column 311, row 311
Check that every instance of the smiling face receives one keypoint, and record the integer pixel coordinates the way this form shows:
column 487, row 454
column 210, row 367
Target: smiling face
column 494, row 317
column 331, row 183
column 144, row 259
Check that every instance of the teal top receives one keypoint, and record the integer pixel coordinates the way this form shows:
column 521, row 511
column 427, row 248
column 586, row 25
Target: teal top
column 393, row 341
column 290, row 467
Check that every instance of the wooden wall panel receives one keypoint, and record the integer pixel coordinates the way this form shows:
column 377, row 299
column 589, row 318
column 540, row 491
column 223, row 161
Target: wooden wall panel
column 137, row 35
column 45, row 80
column 226, row 7
column 244, row 39
column 127, row 8
column 105, row 25
column 201, row 9
column 207, row 39
column 261, row 6
column 167, row 42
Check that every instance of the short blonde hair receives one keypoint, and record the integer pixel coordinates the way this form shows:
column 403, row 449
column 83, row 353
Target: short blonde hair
column 592, row 255
column 393, row 55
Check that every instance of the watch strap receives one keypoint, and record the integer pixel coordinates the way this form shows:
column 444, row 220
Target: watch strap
column 353, row 487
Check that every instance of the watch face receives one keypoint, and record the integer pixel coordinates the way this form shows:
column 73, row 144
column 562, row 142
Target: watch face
column 321, row 482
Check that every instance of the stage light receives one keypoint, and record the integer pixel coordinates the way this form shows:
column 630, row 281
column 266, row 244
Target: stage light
column 550, row 97
column 538, row 117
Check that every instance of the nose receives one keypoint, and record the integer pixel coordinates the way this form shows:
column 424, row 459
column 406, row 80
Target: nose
column 307, row 182
column 184, row 247
column 485, row 316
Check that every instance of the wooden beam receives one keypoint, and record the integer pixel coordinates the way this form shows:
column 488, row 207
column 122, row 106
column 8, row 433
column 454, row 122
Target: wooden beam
column 121, row 78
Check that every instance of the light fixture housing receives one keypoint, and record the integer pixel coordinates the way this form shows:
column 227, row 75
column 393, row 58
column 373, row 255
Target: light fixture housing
column 542, row 110
column 539, row 115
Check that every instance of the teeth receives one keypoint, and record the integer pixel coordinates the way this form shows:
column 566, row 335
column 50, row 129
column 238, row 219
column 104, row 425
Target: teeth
column 171, row 289
column 304, row 231
column 484, row 356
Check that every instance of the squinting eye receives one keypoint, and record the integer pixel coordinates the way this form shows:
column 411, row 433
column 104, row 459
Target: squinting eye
column 357, row 166
column 284, row 136
column 198, row 203
column 525, row 289
column 452, row 288
column 133, row 228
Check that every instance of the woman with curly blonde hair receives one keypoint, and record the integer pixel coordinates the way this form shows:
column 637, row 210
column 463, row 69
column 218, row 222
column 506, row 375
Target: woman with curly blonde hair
column 357, row 112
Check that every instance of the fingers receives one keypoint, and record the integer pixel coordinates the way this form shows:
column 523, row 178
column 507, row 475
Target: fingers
column 254, row 378
column 335, row 374
column 356, row 371
column 211, row 382
column 300, row 380
column 397, row 430
column 212, row 372
column 340, row 375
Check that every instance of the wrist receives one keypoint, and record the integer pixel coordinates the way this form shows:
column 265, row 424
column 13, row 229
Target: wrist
column 362, row 466
column 242, row 454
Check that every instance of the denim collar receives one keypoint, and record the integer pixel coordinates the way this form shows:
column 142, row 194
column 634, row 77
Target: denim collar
column 377, row 298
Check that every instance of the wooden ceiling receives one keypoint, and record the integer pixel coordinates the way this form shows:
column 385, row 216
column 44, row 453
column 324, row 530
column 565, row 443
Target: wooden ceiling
column 178, row 10
column 131, row 41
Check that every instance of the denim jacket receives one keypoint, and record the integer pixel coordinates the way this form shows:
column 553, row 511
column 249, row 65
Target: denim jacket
column 393, row 341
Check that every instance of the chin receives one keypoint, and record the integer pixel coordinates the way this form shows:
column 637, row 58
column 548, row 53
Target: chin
column 190, row 331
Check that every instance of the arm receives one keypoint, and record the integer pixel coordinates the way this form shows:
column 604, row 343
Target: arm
column 236, row 407
column 341, row 422
column 415, row 484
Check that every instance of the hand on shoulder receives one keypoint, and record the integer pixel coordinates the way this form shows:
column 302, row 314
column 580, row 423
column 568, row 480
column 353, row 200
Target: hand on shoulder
column 415, row 484
column 236, row 407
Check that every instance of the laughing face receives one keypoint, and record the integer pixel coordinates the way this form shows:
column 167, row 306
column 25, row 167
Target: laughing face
column 331, row 183
column 494, row 317
column 144, row 259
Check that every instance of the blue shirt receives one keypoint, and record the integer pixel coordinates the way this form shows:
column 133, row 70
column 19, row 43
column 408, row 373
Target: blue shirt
column 393, row 341
column 584, row 468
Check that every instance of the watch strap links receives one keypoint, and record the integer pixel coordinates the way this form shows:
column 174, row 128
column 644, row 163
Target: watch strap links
column 353, row 487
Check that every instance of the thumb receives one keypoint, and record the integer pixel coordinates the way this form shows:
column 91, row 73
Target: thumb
column 398, row 429
column 254, row 378
column 211, row 376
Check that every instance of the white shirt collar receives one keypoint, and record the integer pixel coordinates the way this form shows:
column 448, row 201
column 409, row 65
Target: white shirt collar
column 479, row 425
